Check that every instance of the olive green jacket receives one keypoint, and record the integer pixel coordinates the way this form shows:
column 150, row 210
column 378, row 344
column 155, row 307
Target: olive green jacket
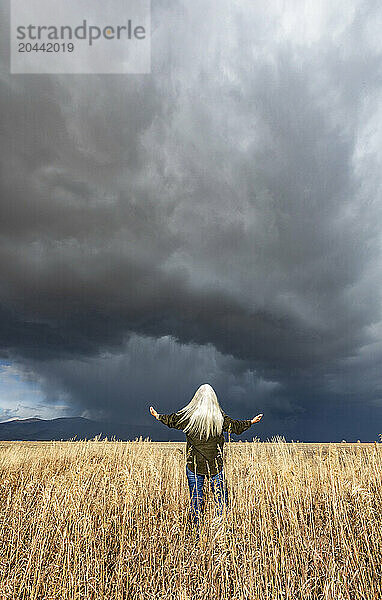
column 205, row 457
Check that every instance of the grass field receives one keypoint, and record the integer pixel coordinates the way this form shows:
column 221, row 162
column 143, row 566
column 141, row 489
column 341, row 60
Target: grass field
column 108, row 521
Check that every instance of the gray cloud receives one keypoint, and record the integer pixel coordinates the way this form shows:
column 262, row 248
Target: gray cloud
column 148, row 371
column 227, row 201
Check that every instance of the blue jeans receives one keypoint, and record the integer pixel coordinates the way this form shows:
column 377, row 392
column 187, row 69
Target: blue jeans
column 195, row 484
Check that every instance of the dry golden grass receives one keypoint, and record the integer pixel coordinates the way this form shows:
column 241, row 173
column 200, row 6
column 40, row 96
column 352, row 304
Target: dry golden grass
column 108, row 521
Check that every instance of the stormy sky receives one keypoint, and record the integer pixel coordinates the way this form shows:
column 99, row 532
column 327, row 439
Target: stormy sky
column 218, row 220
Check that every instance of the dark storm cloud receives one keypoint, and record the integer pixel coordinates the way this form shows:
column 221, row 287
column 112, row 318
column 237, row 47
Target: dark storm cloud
column 150, row 371
column 228, row 200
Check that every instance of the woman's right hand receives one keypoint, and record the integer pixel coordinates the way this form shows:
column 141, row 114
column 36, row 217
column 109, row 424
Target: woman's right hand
column 257, row 419
column 154, row 412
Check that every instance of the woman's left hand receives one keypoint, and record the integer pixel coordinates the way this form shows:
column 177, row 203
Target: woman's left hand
column 154, row 412
column 257, row 419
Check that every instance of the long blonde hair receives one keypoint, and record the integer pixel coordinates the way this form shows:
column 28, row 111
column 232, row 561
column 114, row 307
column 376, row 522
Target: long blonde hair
column 204, row 414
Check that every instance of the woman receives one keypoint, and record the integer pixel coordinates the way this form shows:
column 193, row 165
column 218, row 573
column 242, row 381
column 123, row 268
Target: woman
column 203, row 421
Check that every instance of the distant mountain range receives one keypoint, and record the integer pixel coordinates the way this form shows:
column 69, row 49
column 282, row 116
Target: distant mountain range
column 66, row 428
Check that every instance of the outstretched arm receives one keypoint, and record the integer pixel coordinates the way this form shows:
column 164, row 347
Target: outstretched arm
column 238, row 427
column 172, row 420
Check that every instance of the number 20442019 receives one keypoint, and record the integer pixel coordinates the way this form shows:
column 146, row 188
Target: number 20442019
column 46, row 47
